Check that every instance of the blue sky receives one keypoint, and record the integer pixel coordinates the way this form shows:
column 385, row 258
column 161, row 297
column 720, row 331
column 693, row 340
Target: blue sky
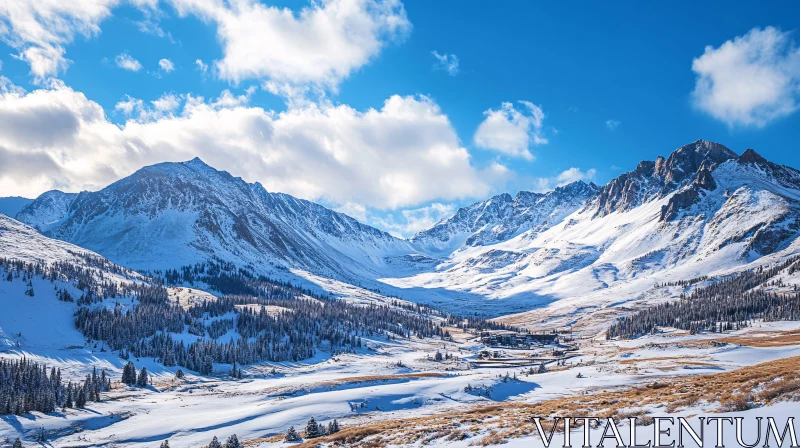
column 518, row 95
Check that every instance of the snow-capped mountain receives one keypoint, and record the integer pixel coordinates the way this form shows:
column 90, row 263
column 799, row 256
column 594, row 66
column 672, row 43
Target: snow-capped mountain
column 503, row 217
column 652, row 180
column 47, row 210
column 173, row 214
column 702, row 211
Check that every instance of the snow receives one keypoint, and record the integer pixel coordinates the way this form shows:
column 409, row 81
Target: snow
column 38, row 322
column 562, row 265
column 190, row 412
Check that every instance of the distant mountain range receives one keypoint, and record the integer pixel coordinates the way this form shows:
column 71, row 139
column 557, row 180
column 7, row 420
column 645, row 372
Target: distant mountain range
column 10, row 206
column 703, row 210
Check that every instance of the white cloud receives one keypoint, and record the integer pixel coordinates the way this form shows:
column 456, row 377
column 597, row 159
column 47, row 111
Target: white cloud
column 150, row 23
column 512, row 131
column 569, row 176
column 126, row 62
column 446, row 62
column 167, row 103
column 166, row 65
column 354, row 210
column 750, row 80
column 404, row 154
column 39, row 29
column 319, row 45
column 129, row 105
column 414, row 220
column 227, row 99
column 202, row 66
column 612, row 124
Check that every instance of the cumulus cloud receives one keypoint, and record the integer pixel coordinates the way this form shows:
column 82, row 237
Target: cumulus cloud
column 612, row 124
column 543, row 184
column 39, row 29
column 446, row 62
column 511, row 130
column 354, row 210
column 202, row 66
column 129, row 105
column 412, row 221
column 168, row 102
column 126, row 62
column 750, row 80
column 319, row 45
column 166, row 65
column 404, row 154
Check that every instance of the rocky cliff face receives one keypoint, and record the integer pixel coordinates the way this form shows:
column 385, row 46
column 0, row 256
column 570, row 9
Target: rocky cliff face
column 657, row 179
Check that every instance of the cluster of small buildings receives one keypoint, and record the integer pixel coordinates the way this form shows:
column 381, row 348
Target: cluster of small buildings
column 508, row 338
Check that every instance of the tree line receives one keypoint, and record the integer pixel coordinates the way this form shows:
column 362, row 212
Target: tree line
column 26, row 386
column 728, row 304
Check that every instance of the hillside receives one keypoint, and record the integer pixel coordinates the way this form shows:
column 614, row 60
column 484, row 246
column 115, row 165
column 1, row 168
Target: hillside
column 658, row 223
column 175, row 214
column 701, row 210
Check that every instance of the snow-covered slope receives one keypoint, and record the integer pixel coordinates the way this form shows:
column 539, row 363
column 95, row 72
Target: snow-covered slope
column 22, row 242
column 31, row 316
column 47, row 210
column 174, row 214
column 580, row 249
column 11, row 205
column 503, row 217
column 730, row 213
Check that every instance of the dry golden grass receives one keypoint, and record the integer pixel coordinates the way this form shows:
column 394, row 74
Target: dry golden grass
column 765, row 339
column 776, row 380
column 272, row 439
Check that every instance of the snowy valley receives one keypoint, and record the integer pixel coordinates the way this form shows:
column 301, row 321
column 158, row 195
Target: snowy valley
column 276, row 310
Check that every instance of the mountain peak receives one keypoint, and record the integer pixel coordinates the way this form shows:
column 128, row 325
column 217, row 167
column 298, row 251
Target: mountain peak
column 195, row 162
column 577, row 186
column 502, row 217
column 751, row 156
column 704, row 149
column 198, row 165
column 655, row 179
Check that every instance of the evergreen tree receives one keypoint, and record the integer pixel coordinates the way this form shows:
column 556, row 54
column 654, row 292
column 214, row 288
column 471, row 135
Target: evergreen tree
column 17, row 443
column 214, row 443
column 232, row 442
column 129, row 374
column 68, row 403
column 80, row 400
column 142, row 380
column 313, row 430
column 165, row 444
column 333, row 427
column 291, row 435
